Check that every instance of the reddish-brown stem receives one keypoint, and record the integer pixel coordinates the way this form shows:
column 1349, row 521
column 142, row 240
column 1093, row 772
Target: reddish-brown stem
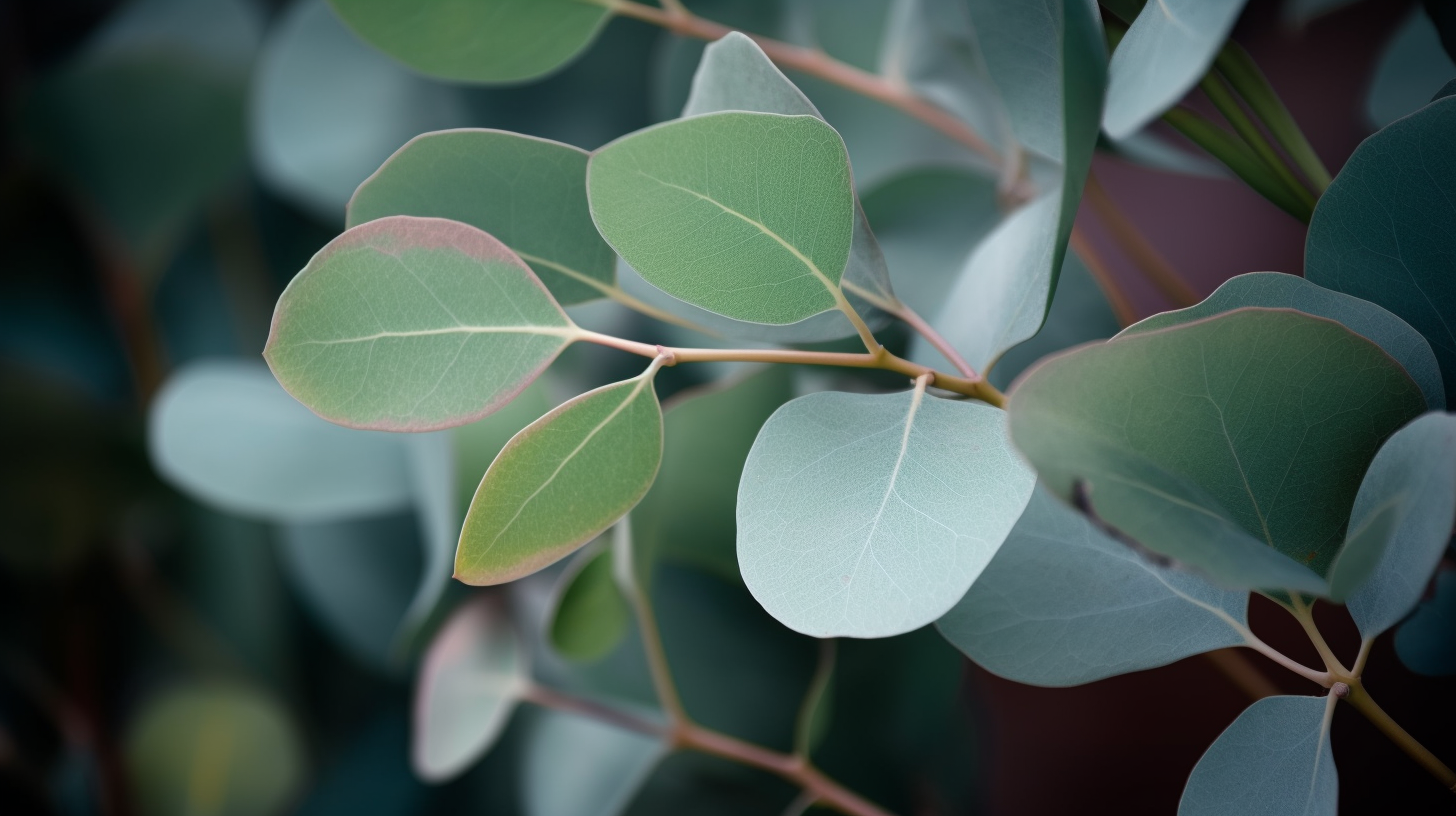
column 1102, row 273
column 1137, row 248
column 924, row 329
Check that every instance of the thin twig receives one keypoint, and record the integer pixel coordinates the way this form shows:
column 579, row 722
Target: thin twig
column 1362, row 701
column 924, row 329
column 553, row 699
column 1122, row 307
column 1137, row 248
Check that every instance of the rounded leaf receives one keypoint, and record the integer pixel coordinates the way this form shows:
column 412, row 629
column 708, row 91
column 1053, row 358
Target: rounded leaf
column 1275, row 758
column 591, row 616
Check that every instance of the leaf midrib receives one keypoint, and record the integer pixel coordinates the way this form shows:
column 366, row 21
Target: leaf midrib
column 564, row 332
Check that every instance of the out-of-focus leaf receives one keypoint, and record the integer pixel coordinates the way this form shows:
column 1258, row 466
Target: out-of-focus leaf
column 1426, row 643
column 1412, row 67
column 574, row 766
column 225, row 750
column 1381, row 231
column 477, row 40
column 472, row 677
column 590, row 617
column 561, row 481
column 413, row 324
column 227, row 434
column 1413, row 479
column 1063, row 604
column 1166, row 52
column 529, row 193
column 1274, row 758
column 1300, row 12
column 432, row 472
column 327, row 109
column 1149, row 149
column 1080, row 314
column 1211, row 422
column 870, row 516
column 370, row 775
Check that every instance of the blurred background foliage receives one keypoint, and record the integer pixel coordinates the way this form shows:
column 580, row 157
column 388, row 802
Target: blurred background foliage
column 212, row 602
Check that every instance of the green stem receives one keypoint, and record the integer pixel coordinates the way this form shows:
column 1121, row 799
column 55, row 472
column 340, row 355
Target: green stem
column 1238, row 156
column 1223, row 98
column 1304, row 614
column 1365, row 704
column 813, row 697
column 1244, row 75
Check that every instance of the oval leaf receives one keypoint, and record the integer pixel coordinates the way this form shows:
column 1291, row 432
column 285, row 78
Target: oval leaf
column 1274, row 290
column 477, row 40
column 561, row 481
column 1210, row 442
column 1275, row 758
column 1063, row 604
column 590, row 616
column 1382, row 232
column 1415, row 471
column 227, row 435
column 471, row 679
column 870, row 516
column 749, row 215
column 413, row 324
column 529, row 193
column 574, row 766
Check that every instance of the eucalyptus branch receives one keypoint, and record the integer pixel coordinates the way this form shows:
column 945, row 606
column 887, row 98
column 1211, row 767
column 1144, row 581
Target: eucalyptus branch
column 1252, row 641
column 1147, row 258
column 818, row 684
column 1302, row 613
column 1116, row 296
column 1365, row 704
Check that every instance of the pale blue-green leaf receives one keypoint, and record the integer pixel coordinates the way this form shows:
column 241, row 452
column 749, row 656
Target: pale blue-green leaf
column 432, row 475
column 1275, row 290
column 1412, row 67
column 870, row 515
column 1150, row 149
column 1426, row 643
column 357, row 577
column 1166, row 52
column 1275, row 758
column 575, row 766
column 1063, row 604
column 1416, row 471
column 328, row 109
column 227, row 434
column 472, row 677
column 1080, row 314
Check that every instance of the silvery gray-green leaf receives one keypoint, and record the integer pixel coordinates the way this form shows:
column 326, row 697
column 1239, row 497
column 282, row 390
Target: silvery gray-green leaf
column 328, row 109
column 870, row 516
column 228, row 435
column 1416, row 471
column 471, row 679
column 1080, row 314
column 1167, row 50
column 1412, row 67
column 1150, row 149
column 576, row 766
column 1063, row 604
column 1275, row 758
column 1426, row 642
column 1275, row 290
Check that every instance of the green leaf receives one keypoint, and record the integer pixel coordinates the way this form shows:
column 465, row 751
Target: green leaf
column 869, row 516
column 530, row 193
column 1275, row 758
column 1063, row 604
column 1166, row 52
column 1381, row 231
column 1234, row 444
column 687, row 516
column 590, row 616
column 1412, row 66
column 478, row 443
column 228, row 750
column 433, row 473
column 749, row 215
column 470, row 681
column 575, row 766
column 1274, row 290
column 413, row 324
column 1150, row 149
column 1426, row 643
column 561, row 481
column 484, row 41
column 327, row 109
column 1004, row 289
column 227, row 435
column 1415, row 473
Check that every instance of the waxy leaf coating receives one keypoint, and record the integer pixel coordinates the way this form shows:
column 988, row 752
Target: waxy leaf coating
column 1275, row 758
column 562, row 480
column 870, row 515
column 529, row 193
column 484, row 41
column 1233, row 444
column 749, row 215
column 413, row 324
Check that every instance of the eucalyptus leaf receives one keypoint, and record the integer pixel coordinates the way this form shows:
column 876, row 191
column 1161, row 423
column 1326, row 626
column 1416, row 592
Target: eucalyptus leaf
column 432, row 472
column 327, row 109
column 1415, row 472
column 1080, row 314
column 1412, row 66
column 749, row 215
column 1149, row 149
column 561, row 481
column 870, row 516
column 1275, row 758
column 478, row 443
column 530, row 193
column 470, row 681
column 485, row 41
column 1218, row 437
column 1274, row 290
column 590, row 616
column 232, row 744
column 1166, row 51
column 574, row 766
column 226, row 434
column 1381, row 231
column 1063, row 604
column 1426, row 643
column 413, row 324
